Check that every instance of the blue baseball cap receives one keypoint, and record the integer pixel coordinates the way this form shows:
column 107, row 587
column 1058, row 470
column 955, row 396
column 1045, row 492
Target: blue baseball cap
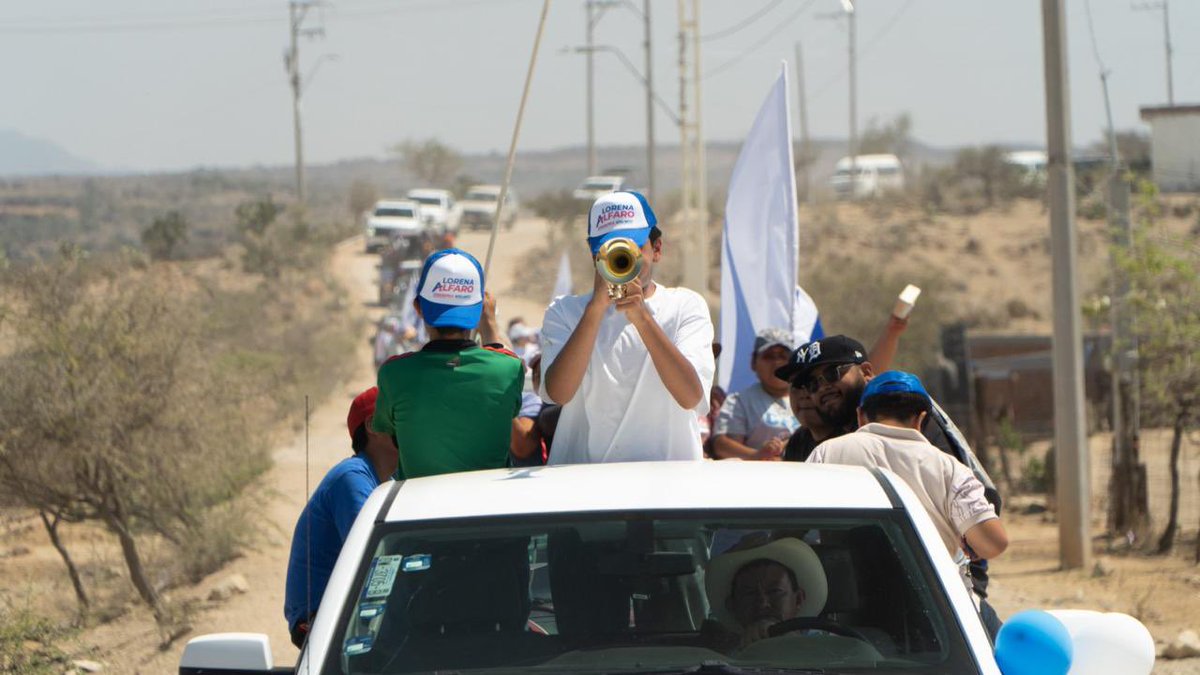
column 624, row 214
column 450, row 289
column 893, row 382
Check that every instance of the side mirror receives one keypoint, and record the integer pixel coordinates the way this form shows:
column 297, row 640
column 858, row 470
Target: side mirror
column 228, row 654
column 1074, row 642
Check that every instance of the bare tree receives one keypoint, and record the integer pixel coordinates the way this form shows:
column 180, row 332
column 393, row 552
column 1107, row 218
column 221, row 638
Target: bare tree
column 101, row 408
column 363, row 195
column 894, row 137
column 431, row 161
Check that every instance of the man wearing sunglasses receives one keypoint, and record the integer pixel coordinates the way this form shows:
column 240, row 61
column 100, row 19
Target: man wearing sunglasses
column 827, row 378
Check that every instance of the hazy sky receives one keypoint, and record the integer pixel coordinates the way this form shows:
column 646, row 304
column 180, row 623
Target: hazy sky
column 169, row 84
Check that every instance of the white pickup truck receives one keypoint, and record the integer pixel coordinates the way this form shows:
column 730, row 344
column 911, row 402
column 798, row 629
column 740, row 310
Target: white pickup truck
column 634, row 568
column 479, row 207
column 391, row 218
column 438, row 210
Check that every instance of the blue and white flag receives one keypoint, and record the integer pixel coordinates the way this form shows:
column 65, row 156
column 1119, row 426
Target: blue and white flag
column 760, row 247
column 562, row 285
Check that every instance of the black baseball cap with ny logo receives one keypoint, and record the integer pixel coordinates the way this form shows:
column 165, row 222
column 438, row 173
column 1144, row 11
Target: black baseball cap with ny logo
column 812, row 355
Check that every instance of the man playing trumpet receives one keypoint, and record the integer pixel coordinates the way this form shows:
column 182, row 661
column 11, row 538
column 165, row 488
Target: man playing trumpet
column 630, row 363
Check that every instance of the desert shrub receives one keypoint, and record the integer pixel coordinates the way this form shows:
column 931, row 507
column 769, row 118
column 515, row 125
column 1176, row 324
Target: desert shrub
column 29, row 644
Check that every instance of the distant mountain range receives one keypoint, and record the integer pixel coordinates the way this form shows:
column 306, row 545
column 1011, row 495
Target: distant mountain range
column 21, row 155
column 536, row 170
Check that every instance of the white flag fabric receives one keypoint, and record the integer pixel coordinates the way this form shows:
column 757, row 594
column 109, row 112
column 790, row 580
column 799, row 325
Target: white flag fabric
column 760, row 247
column 562, row 285
column 806, row 322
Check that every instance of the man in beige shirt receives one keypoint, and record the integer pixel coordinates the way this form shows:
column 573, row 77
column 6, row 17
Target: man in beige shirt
column 893, row 406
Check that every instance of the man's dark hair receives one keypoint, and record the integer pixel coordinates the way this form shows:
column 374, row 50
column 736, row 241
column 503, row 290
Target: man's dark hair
column 655, row 234
column 767, row 562
column 899, row 406
column 359, row 439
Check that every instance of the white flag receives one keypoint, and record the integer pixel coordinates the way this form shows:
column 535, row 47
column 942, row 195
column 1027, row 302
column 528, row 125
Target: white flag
column 562, row 285
column 760, row 248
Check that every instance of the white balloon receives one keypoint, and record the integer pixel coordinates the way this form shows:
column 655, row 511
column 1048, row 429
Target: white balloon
column 1107, row 643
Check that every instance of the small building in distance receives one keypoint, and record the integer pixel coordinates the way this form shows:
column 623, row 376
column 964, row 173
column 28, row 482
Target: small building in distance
column 1175, row 146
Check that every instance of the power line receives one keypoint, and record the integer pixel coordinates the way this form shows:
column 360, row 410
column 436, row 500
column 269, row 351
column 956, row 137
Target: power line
column 872, row 42
column 1087, row 7
column 758, row 44
column 216, row 18
column 726, row 32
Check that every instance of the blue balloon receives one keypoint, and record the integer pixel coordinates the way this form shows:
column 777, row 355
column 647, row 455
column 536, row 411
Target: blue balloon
column 1034, row 642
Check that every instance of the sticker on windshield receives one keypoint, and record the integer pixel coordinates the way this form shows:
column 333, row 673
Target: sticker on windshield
column 383, row 576
column 358, row 645
column 370, row 610
column 418, row 563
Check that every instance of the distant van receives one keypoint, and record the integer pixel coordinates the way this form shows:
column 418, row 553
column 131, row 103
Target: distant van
column 1031, row 164
column 874, row 175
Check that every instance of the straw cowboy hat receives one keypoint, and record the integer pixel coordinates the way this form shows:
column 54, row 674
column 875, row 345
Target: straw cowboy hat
column 787, row 551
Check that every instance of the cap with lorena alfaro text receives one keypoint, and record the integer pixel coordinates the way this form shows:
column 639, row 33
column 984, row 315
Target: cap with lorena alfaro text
column 450, row 290
column 624, row 214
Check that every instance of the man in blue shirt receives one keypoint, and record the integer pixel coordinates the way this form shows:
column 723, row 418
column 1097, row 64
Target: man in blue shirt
column 326, row 519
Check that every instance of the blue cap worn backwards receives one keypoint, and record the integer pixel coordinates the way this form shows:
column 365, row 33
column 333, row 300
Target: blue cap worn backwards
column 893, row 382
column 620, row 214
column 451, row 290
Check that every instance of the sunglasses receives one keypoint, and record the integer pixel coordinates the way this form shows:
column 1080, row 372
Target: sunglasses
column 831, row 374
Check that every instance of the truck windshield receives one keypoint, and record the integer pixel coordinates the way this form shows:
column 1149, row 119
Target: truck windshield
column 847, row 591
column 429, row 201
column 482, row 196
column 394, row 213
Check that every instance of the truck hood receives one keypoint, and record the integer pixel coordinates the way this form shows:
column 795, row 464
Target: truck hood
column 489, row 207
column 394, row 223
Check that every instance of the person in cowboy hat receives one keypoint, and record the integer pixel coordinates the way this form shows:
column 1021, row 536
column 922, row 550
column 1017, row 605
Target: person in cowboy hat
column 754, row 587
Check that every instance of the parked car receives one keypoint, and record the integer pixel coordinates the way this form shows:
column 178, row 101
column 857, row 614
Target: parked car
column 874, row 175
column 631, row 567
column 594, row 187
column 392, row 218
column 479, row 207
column 437, row 209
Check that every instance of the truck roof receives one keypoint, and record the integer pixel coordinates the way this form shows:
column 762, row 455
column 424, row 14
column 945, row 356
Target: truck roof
column 396, row 204
column 869, row 160
column 428, row 192
column 638, row 486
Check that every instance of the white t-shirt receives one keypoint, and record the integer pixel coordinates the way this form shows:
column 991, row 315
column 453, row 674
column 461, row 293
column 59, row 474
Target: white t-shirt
column 622, row 411
column 948, row 490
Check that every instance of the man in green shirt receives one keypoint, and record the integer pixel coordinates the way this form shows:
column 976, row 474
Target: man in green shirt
column 450, row 406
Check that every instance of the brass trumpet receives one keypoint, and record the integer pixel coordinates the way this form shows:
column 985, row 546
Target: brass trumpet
column 619, row 262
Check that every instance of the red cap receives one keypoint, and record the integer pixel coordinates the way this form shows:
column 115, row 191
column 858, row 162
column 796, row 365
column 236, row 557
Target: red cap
column 361, row 409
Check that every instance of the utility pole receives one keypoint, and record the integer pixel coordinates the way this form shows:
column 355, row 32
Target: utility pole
column 694, row 207
column 650, row 148
column 851, row 22
column 297, row 10
column 1072, row 466
column 1166, row 12
column 589, row 42
column 802, row 107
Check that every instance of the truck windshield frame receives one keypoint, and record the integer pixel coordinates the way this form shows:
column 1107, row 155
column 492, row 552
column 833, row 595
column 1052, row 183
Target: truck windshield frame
column 927, row 615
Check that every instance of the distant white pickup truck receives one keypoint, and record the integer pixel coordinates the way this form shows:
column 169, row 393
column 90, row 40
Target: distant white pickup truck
column 391, row 218
column 438, row 210
column 479, row 207
column 594, row 187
